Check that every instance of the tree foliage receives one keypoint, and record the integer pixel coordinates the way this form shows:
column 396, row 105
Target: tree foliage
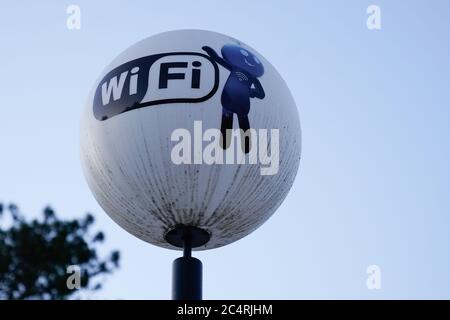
column 35, row 255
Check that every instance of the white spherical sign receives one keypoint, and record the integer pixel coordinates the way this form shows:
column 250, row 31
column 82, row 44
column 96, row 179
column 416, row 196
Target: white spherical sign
column 190, row 128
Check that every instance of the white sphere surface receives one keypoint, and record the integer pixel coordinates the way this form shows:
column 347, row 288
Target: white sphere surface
column 145, row 138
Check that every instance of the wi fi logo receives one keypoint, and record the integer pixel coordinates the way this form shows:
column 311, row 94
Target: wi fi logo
column 241, row 76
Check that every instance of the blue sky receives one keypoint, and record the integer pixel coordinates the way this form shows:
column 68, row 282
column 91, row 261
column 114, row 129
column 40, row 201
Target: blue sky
column 374, row 181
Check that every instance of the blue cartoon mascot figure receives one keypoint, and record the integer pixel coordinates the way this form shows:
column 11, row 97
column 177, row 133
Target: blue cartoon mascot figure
column 241, row 85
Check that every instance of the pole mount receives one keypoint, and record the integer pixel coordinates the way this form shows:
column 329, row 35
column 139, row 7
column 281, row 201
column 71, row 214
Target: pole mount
column 196, row 237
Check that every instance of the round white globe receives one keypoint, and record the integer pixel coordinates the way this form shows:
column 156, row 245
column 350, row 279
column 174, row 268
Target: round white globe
column 129, row 137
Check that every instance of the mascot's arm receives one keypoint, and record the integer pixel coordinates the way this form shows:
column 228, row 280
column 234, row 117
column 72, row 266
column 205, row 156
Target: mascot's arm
column 210, row 51
column 257, row 91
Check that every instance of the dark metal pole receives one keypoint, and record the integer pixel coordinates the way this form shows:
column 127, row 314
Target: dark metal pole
column 187, row 270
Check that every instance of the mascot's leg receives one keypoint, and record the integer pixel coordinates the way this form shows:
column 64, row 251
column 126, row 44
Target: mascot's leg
column 244, row 124
column 225, row 128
